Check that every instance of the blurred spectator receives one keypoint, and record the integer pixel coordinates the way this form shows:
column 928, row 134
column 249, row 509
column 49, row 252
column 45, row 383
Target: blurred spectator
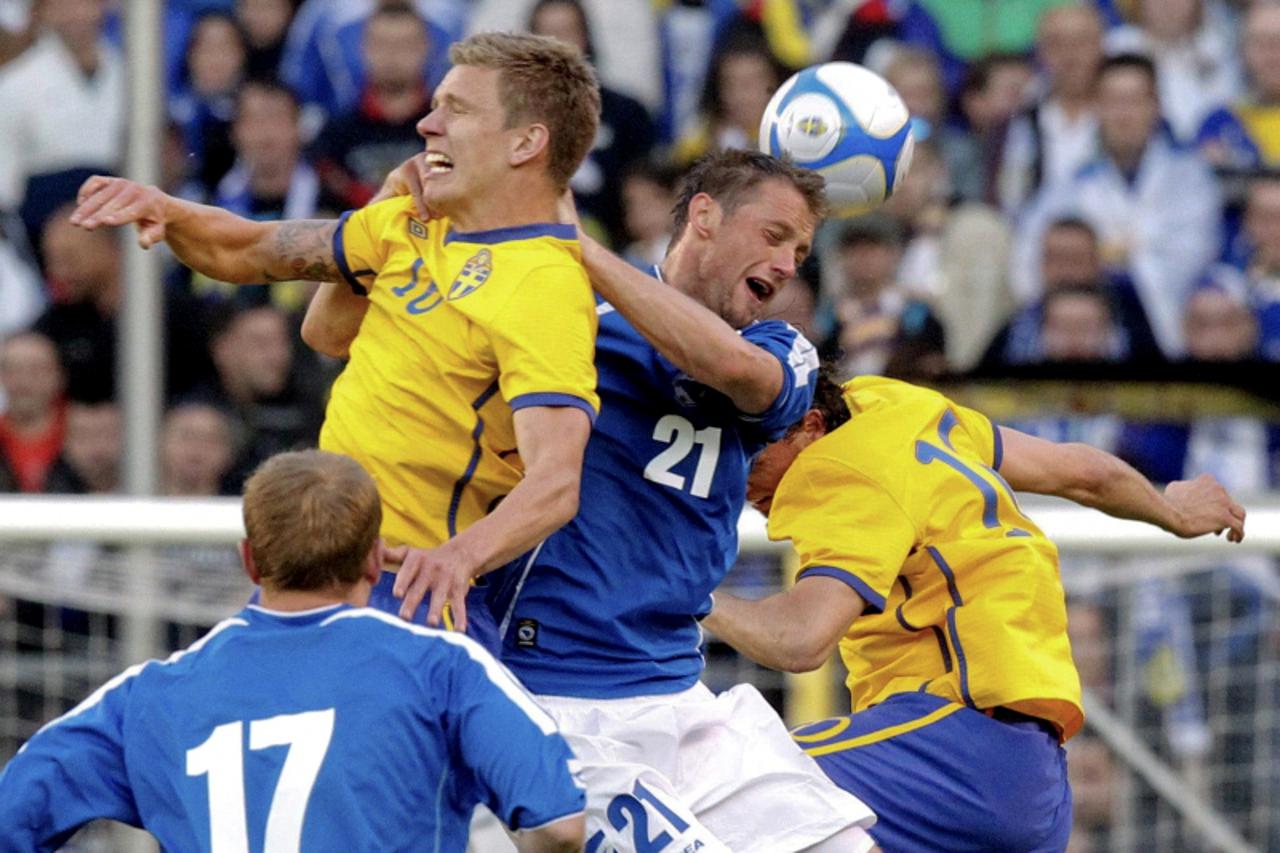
column 1193, row 44
column 960, row 31
column 195, row 451
column 260, row 380
column 83, row 269
column 648, row 195
column 1258, row 260
column 954, row 257
column 85, row 275
column 1155, row 207
column 33, row 424
column 742, row 78
column 625, row 134
column 212, row 71
column 357, row 149
column 270, row 180
column 915, row 74
column 881, row 329
column 1246, row 135
column 1047, row 143
column 68, row 81
column 1078, row 324
column 1220, row 326
column 91, row 452
column 995, row 89
column 265, row 24
column 323, row 53
column 1071, row 258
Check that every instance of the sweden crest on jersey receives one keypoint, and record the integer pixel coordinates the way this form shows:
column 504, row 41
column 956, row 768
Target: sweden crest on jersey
column 475, row 272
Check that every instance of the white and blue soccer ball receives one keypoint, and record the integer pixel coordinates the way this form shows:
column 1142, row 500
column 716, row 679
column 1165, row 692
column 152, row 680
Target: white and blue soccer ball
column 846, row 123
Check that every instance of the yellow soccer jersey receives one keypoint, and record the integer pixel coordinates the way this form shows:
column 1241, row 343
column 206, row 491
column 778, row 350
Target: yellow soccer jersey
column 964, row 598
column 462, row 330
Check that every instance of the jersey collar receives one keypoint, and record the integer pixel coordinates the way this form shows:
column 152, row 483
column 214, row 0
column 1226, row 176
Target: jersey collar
column 519, row 232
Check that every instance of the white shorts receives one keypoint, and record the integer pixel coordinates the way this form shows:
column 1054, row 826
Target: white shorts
column 669, row 773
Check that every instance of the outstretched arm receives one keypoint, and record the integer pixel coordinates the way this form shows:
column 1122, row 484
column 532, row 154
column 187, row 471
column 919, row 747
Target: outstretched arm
column 1095, row 478
column 793, row 631
column 210, row 240
column 692, row 336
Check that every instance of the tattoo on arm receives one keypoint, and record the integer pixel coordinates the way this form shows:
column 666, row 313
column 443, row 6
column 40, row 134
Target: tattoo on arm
column 303, row 250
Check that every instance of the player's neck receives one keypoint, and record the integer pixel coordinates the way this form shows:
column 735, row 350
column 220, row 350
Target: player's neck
column 680, row 270
column 517, row 203
column 297, row 601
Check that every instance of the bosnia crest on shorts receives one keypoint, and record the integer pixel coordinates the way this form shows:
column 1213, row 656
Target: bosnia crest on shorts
column 475, row 272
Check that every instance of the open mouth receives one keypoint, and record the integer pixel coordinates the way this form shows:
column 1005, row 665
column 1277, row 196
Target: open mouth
column 438, row 164
column 759, row 288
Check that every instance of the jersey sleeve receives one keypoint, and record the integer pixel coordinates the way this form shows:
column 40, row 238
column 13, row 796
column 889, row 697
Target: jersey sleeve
column 544, row 337
column 799, row 361
column 69, row 773
column 844, row 525
column 512, row 746
column 983, row 432
column 359, row 249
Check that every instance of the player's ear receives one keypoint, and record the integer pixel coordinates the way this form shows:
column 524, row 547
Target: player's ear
column 705, row 214
column 250, row 567
column 529, row 142
column 373, row 563
column 813, row 426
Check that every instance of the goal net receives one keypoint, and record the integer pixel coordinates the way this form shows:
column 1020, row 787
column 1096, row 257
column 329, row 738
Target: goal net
column 1178, row 646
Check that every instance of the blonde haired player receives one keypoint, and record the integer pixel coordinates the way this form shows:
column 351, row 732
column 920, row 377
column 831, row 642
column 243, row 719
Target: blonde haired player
column 946, row 602
column 470, row 391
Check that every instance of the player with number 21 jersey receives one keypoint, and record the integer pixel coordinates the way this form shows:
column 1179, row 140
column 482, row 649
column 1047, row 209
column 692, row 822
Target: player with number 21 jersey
column 593, row 613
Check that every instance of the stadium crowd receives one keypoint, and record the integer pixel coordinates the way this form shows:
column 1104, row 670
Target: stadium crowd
column 1092, row 185
column 1095, row 189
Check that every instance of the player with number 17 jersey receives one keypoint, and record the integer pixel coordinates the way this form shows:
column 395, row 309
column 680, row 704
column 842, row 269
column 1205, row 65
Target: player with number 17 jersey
column 386, row 740
column 607, row 607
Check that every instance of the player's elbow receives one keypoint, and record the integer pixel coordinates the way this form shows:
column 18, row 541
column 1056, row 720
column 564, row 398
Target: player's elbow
column 749, row 381
column 562, row 499
column 318, row 335
column 563, row 836
column 805, row 651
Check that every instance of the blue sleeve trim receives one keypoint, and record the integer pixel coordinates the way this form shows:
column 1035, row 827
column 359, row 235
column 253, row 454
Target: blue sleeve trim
column 340, row 256
column 874, row 600
column 553, row 399
column 997, row 452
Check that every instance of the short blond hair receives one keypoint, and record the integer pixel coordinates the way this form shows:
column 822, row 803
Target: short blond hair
column 312, row 519
column 541, row 80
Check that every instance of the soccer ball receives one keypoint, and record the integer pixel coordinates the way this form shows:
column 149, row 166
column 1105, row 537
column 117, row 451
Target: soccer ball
column 846, row 123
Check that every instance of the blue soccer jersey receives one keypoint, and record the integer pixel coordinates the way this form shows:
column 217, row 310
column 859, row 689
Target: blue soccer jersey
column 607, row 606
column 334, row 729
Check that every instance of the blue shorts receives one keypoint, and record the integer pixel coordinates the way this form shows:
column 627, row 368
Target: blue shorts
column 944, row 777
column 481, row 626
